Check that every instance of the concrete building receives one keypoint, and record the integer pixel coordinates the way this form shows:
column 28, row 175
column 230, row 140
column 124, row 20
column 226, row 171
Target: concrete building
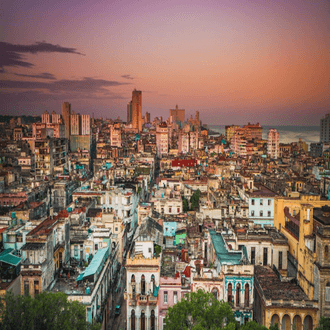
column 282, row 302
column 75, row 123
column 238, row 144
column 255, row 131
column 66, row 114
column 137, row 110
column 162, row 140
column 142, row 277
column 129, row 112
column 115, row 136
column 325, row 128
column 85, row 124
column 316, row 149
column 178, row 115
column 46, row 118
column 230, row 130
column 183, row 144
column 273, row 143
column 56, row 118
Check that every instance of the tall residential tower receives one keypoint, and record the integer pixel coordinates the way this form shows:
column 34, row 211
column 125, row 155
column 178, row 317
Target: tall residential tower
column 137, row 109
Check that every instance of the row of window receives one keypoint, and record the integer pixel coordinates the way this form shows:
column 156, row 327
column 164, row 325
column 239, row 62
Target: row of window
column 261, row 213
column 261, row 202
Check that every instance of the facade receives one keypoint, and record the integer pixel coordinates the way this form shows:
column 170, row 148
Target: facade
column 115, row 136
column 273, row 143
column 56, row 118
column 282, row 302
column 142, row 278
column 230, row 131
column 305, row 221
column 325, row 128
column 46, row 118
column 66, row 114
column 129, row 112
column 75, row 122
column 177, row 114
column 255, row 131
column 51, row 157
column 85, row 124
column 137, row 110
column 238, row 144
column 316, row 149
column 162, row 140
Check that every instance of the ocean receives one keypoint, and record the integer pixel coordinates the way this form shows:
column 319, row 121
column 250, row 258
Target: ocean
column 288, row 134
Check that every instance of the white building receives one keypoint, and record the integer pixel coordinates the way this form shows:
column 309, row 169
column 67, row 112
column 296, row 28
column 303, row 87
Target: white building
column 273, row 143
column 162, row 139
column 45, row 117
column 75, row 124
column 85, row 124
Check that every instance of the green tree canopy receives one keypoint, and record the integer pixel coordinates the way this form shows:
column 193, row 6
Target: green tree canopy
column 47, row 311
column 324, row 323
column 194, row 200
column 198, row 311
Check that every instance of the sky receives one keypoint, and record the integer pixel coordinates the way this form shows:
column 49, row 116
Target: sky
column 233, row 61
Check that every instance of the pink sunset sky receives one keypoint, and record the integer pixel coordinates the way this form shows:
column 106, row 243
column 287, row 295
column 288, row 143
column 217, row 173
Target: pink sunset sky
column 234, row 61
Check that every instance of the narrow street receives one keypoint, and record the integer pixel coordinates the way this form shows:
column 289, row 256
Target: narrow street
column 119, row 322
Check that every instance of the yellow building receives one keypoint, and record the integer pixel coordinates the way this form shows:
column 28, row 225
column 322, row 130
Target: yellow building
column 282, row 302
column 299, row 218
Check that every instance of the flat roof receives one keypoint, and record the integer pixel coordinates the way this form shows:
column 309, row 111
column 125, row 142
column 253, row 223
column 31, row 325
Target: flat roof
column 96, row 264
column 224, row 255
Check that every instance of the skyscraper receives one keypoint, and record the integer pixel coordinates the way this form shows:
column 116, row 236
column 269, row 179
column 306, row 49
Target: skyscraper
column 75, row 122
column 137, row 109
column 325, row 128
column 85, row 124
column 273, row 143
column 129, row 112
column 177, row 114
column 66, row 113
column 45, row 117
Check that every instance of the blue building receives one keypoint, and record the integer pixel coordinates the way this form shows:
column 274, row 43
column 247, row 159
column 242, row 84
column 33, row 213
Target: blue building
column 237, row 274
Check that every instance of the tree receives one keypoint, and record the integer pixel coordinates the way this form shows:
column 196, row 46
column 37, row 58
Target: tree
column 253, row 325
column 47, row 311
column 194, row 199
column 324, row 323
column 185, row 204
column 200, row 310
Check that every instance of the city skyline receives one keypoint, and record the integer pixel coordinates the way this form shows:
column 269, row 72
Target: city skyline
column 233, row 62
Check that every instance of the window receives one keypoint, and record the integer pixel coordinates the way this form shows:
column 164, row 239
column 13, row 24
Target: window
column 76, row 250
column 230, row 292
column 178, row 210
column 170, row 209
column 269, row 202
column 133, row 319
column 149, row 250
column 326, row 253
column 96, row 247
column 261, row 202
column 252, row 213
column 252, row 202
column 280, row 260
column 152, row 319
column 327, row 292
column 143, row 285
column 265, row 256
column 116, row 229
column 165, row 297
column 143, row 321
column 269, row 213
column 238, row 294
column 261, row 213
column 247, row 295
column 36, row 287
column 253, row 255
column 175, row 297
column 26, row 288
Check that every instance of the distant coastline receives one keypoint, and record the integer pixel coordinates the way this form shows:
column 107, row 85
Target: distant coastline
column 288, row 133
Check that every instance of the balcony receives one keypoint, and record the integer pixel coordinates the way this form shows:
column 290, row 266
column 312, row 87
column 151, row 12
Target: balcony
column 143, row 299
column 152, row 300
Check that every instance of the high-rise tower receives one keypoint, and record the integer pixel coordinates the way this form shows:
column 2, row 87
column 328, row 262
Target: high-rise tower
column 137, row 109
column 325, row 129
column 66, row 113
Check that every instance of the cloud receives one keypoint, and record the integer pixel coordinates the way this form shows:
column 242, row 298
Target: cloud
column 17, row 92
column 44, row 75
column 127, row 76
column 85, row 85
column 11, row 55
